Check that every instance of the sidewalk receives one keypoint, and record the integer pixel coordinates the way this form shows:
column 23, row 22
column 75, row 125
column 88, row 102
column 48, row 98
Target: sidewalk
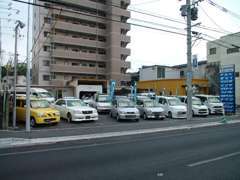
column 13, row 138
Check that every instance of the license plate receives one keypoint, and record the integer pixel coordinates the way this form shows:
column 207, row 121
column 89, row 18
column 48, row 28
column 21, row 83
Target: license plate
column 87, row 117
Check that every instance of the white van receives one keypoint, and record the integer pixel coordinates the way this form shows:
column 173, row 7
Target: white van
column 214, row 104
column 37, row 92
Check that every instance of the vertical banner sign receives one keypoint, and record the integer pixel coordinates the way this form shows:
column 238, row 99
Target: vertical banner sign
column 227, row 88
column 134, row 91
column 112, row 88
column 194, row 62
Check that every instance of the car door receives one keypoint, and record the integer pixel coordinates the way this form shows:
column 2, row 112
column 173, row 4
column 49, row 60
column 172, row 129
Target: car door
column 20, row 110
column 59, row 106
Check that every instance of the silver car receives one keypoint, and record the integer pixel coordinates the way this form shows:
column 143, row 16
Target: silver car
column 75, row 110
column 124, row 109
column 150, row 109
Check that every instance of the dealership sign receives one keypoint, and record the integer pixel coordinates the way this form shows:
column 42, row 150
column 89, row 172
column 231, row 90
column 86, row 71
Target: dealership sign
column 227, row 88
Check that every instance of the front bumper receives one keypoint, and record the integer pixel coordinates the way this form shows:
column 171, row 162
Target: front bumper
column 179, row 115
column 47, row 120
column 129, row 116
column 155, row 115
column 217, row 111
column 103, row 109
column 85, row 117
column 201, row 112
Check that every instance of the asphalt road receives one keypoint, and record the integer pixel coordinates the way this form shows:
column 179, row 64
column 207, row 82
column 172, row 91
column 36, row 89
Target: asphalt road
column 206, row 153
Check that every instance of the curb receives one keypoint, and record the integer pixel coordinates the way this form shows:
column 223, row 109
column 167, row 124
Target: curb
column 22, row 142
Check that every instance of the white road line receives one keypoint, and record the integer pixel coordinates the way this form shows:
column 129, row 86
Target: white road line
column 213, row 159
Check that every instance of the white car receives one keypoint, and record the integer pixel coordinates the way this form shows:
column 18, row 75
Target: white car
column 198, row 108
column 75, row 110
column 149, row 109
column 173, row 107
column 124, row 109
column 214, row 104
column 101, row 102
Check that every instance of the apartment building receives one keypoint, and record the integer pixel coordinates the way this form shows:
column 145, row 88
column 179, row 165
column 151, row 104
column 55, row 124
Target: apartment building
column 226, row 51
column 80, row 42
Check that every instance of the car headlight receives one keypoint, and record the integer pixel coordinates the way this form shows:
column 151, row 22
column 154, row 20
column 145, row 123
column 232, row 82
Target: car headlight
column 148, row 112
column 121, row 112
column 77, row 112
column 40, row 114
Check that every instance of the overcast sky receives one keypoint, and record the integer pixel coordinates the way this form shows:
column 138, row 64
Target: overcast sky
column 148, row 46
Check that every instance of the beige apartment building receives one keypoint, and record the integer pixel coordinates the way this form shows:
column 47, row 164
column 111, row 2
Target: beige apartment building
column 226, row 51
column 80, row 42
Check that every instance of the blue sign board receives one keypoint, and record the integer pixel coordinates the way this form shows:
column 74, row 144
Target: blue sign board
column 112, row 88
column 227, row 88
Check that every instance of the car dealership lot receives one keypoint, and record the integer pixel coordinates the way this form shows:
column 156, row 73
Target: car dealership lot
column 106, row 121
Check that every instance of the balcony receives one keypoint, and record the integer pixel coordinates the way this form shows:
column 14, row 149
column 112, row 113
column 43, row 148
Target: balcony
column 126, row 64
column 58, row 82
column 78, row 28
column 77, row 69
column 77, row 41
column 126, row 26
column 80, row 16
column 125, row 51
column 125, row 38
column 66, row 54
column 87, row 3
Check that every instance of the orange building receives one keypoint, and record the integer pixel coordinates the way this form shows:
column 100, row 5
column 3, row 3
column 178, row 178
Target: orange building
column 172, row 86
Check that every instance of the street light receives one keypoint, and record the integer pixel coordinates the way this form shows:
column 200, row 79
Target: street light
column 19, row 25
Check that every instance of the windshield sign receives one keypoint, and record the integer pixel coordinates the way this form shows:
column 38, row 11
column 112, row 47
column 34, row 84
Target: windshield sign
column 174, row 102
column 214, row 100
column 39, row 104
column 73, row 103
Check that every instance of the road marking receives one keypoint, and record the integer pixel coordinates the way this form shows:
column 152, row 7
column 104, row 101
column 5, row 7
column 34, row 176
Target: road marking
column 213, row 159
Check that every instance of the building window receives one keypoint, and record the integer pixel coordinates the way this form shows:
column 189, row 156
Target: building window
column 46, row 63
column 182, row 74
column 46, row 48
column 46, row 77
column 46, row 33
column 47, row 20
column 232, row 50
column 236, row 74
column 212, row 51
column 160, row 72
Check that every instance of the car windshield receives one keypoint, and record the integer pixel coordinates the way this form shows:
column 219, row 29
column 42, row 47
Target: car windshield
column 126, row 104
column 75, row 102
column 174, row 102
column 151, row 104
column 196, row 102
column 45, row 94
column 214, row 100
column 39, row 104
column 103, row 99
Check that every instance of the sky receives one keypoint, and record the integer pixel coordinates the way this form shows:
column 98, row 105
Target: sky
column 148, row 46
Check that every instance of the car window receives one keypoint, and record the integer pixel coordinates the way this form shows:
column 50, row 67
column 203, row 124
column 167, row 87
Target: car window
column 39, row 104
column 73, row 103
column 59, row 103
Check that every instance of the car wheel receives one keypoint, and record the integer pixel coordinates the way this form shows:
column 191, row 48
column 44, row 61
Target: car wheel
column 170, row 114
column 69, row 117
column 144, row 116
column 110, row 114
column 32, row 122
column 193, row 113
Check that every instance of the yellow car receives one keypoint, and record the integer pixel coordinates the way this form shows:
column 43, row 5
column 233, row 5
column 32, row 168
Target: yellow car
column 41, row 112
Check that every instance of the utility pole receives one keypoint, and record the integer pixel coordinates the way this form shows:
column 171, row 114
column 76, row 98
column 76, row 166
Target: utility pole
column 21, row 25
column 189, row 61
column 28, row 75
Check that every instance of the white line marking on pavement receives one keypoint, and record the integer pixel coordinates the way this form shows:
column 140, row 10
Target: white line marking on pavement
column 213, row 159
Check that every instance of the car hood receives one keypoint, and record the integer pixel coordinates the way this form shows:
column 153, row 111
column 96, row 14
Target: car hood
column 44, row 110
column 199, row 107
column 154, row 109
column 128, row 109
column 216, row 104
column 178, row 108
column 82, row 108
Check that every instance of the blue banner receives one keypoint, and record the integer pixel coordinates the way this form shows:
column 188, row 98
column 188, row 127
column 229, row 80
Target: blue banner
column 227, row 88
column 112, row 89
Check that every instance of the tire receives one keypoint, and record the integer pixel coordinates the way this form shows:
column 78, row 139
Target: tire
column 170, row 114
column 110, row 114
column 33, row 122
column 69, row 118
column 144, row 116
